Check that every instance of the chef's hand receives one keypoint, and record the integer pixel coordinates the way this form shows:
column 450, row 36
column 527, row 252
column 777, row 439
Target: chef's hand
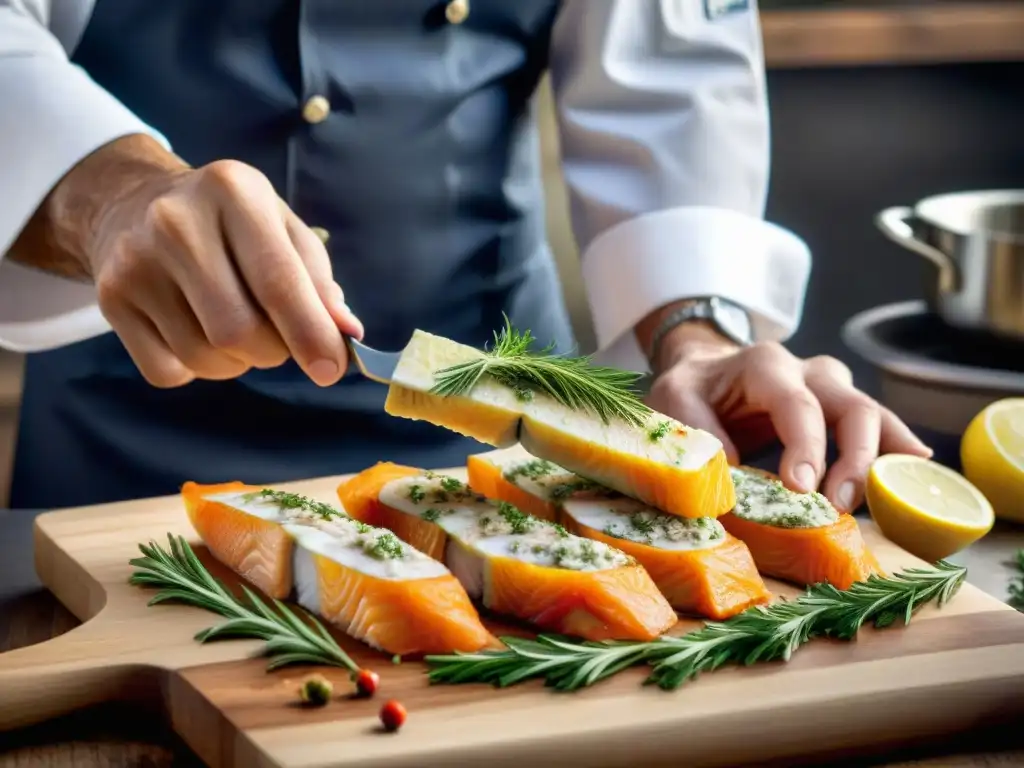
column 751, row 396
column 205, row 273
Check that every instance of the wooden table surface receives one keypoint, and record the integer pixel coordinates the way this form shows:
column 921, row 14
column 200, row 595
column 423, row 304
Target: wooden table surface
column 121, row 736
column 891, row 32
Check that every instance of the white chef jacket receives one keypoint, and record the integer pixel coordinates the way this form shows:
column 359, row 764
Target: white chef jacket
column 663, row 126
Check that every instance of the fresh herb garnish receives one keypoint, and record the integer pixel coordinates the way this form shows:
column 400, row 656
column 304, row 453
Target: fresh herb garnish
column 1017, row 584
column 762, row 633
column 642, row 524
column 571, row 381
column 293, row 501
column 387, row 546
column 533, row 468
column 431, row 515
column 451, row 485
column 562, row 491
column 181, row 577
column 659, row 431
column 518, row 521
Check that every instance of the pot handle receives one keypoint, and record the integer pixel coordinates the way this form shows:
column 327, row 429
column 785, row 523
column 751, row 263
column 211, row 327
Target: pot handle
column 893, row 223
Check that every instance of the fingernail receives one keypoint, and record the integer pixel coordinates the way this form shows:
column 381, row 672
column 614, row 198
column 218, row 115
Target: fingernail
column 805, row 477
column 845, row 494
column 323, row 372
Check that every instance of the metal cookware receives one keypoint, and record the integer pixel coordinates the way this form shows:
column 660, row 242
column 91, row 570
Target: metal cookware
column 975, row 243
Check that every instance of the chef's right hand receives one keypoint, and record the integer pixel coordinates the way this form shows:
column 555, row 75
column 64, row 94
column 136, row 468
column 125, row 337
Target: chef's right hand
column 205, row 273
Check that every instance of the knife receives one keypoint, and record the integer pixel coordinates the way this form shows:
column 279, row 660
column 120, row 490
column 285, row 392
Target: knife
column 372, row 363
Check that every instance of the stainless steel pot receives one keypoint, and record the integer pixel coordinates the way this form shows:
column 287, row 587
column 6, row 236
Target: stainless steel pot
column 975, row 242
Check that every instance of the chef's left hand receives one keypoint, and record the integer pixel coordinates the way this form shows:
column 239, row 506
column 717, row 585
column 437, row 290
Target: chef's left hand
column 750, row 396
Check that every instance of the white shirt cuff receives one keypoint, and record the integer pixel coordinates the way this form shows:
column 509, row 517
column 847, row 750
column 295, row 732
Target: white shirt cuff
column 39, row 311
column 53, row 115
column 643, row 263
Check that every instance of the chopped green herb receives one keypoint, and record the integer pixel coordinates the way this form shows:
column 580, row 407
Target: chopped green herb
column 294, row 501
column 659, row 431
column 386, row 547
column 520, row 522
column 563, row 491
column 416, row 494
column 533, row 469
column 641, row 524
column 451, row 485
column 767, row 501
column 587, row 552
column 431, row 515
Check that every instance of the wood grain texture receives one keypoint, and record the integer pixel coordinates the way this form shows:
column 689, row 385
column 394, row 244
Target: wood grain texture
column 946, row 673
column 925, row 33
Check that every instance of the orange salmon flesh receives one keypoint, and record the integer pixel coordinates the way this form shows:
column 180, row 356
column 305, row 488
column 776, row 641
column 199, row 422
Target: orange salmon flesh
column 425, row 610
column 620, row 602
column 714, row 582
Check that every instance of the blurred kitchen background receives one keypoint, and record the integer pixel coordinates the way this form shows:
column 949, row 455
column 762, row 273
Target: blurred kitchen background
column 873, row 104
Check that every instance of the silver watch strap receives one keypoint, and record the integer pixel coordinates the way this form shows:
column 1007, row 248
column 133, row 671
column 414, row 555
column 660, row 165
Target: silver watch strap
column 693, row 309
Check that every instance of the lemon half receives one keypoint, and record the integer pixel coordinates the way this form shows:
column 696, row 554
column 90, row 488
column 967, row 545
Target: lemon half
column 926, row 508
column 992, row 454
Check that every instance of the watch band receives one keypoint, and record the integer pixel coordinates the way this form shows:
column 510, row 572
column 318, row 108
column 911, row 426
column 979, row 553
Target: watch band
column 693, row 309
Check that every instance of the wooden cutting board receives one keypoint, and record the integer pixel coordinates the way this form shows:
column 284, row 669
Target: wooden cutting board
column 949, row 671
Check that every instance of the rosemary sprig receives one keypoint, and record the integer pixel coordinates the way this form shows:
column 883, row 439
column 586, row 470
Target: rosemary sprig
column 1017, row 584
column 181, row 577
column 763, row 633
column 571, row 381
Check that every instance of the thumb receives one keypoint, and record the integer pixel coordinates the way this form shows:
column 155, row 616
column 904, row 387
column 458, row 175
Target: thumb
column 692, row 410
column 318, row 263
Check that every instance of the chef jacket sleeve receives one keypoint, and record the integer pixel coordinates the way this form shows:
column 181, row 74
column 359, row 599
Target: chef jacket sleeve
column 663, row 127
column 51, row 116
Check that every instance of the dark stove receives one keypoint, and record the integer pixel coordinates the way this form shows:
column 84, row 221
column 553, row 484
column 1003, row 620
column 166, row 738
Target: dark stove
column 935, row 377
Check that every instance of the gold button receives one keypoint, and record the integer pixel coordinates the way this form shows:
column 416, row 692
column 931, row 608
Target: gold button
column 316, row 109
column 456, row 11
column 322, row 234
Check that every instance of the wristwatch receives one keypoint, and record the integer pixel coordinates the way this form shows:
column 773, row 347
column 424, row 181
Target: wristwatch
column 729, row 319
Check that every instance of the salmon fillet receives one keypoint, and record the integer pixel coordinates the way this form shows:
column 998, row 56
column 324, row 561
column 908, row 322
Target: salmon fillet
column 514, row 563
column 364, row 580
column 672, row 467
column 800, row 538
column 698, row 566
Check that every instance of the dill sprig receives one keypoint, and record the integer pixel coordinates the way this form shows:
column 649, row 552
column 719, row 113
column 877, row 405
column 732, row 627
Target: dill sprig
column 1017, row 584
column 572, row 381
column 181, row 577
column 762, row 633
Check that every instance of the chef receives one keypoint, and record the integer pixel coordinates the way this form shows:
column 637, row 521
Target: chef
column 230, row 187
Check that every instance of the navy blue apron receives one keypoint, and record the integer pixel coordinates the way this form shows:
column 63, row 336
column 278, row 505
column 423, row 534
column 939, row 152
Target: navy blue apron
column 426, row 175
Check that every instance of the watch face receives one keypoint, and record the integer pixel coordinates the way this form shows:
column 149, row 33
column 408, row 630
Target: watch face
column 734, row 321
